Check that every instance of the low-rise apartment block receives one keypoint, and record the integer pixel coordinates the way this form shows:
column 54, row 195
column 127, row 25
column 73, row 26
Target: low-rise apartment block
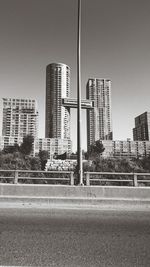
column 54, row 146
column 128, row 149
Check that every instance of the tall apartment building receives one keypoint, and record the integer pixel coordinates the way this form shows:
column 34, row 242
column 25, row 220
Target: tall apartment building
column 141, row 131
column 99, row 121
column 57, row 87
column 20, row 117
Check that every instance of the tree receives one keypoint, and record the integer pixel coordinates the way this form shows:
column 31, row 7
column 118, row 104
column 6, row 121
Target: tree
column 95, row 150
column 146, row 163
column 11, row 149
column 43, row 155
column 26, row 146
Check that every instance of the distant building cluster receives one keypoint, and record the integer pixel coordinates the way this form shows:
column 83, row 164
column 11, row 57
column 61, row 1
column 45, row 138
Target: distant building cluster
column 20, row 118
column 54, row 146
column 126, row 149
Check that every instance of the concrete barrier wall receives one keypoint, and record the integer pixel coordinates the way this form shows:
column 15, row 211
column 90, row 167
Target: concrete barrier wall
column 95, row 192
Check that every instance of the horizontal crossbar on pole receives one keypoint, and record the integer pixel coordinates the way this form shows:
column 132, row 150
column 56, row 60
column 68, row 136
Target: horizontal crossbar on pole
column 72, row 103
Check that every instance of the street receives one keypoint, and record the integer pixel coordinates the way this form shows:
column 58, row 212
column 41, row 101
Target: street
column 71, row 238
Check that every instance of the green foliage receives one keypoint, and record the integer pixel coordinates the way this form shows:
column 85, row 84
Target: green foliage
column 118, row 165
column 35, row 163
column 15, row 157
column 26, row 146
column 11, row 149
column 17, row 160
column 95, row 150
column 43, row 155
column 146, row 163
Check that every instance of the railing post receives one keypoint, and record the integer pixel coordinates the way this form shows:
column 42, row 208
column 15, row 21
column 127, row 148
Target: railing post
column 16, row 177
column 135, row 180
column 72, row 179
column 87, row 179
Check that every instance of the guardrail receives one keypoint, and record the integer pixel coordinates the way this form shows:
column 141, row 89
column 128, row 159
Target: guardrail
column 18, row 176
column 63, row 177
column 100, row 178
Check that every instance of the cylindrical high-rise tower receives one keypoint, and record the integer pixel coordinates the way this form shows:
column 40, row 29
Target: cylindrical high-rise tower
column 57, row 87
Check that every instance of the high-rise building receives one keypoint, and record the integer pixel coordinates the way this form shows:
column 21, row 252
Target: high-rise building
column 99, row 121
column 57, row 87
column 141, row 131
column 20, row 117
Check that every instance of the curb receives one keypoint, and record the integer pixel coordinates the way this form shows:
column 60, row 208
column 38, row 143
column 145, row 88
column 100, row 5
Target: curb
column 74, row 203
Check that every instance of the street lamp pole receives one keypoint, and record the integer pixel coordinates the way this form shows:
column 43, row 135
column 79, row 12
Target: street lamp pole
column 79, row 147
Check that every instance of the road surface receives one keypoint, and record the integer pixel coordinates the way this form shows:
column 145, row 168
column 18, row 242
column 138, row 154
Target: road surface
column 72, row 238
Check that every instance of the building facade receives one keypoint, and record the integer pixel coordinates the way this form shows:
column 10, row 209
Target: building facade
column 126, row 149
column 20, row 117
column 6, row 141
column 53, row 146
column 57, row 123
column 99, row 121
column 141, row 131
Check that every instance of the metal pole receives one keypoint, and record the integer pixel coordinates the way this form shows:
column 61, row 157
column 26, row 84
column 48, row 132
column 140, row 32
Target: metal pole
column 79, row 148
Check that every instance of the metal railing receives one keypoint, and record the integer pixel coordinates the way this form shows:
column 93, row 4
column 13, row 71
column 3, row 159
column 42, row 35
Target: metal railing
column 68, row 177
column 109, row 178
column 43, row 177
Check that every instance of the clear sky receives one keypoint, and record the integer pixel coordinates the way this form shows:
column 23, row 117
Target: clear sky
column 115, row 45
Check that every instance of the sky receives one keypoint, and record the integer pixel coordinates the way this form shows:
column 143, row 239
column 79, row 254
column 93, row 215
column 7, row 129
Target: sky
column 115, row 44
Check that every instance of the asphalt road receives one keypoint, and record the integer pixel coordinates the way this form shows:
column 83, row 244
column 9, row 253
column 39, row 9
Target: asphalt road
column 31, row 237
